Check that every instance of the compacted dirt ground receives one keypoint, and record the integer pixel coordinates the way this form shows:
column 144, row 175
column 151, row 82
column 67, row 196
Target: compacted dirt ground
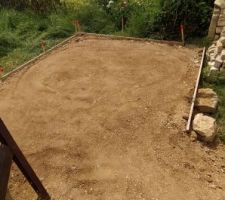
column 101, row 119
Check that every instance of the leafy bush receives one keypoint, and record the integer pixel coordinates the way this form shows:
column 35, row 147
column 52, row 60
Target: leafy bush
column 93, row 18
column 194, row 14
column 142, row 19
column 40, row 6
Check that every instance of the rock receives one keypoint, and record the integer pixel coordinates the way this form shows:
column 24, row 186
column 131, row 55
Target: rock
column 219, row 29
column 222, row 40
column 213, row 71
column 219, row 43
column 221, row 22
column 213, row 23
column 220, row 3
column 218, row 61
column 212, row 57
column 223, row 54
column 223, row 32
column 205, row 126
column 211, row 50
column 222, row 69
column 193, row 136
column 211, row 63
column 185, row 117
column 217, row 37
column 219, row 46
column 207, row 101
column 211, row 47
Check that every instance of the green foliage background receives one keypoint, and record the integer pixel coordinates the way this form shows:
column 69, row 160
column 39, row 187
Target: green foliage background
column 25, row 23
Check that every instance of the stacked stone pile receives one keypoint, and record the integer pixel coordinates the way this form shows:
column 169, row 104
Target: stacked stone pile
column 204, row 125
column 216, row 52
column 218, row 20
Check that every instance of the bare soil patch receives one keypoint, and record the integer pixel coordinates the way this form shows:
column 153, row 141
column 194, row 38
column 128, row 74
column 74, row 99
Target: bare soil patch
column 101, row 119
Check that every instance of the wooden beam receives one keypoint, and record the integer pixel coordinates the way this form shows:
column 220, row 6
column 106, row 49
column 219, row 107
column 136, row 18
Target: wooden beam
column 22, row 163
column 188, row 127
column 5, row 166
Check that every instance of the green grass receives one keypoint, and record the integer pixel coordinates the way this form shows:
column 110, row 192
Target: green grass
column 216, row 81
column 22, row 32
column 199, row 41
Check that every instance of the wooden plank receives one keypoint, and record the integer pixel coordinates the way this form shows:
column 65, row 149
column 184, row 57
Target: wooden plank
column 22, row 163
column 5, row 166
column 188, row 127
column 117, row 37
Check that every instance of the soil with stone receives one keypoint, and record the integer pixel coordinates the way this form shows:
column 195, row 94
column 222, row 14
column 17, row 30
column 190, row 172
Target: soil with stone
column 101, row 119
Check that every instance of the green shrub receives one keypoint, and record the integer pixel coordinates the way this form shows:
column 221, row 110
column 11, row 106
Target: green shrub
column 142, row 19
column 7, row 43
column 94, row 19
column 216, row 81
column 194, row 14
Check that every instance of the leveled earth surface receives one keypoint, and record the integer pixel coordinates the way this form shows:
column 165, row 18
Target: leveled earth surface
column 101, row 119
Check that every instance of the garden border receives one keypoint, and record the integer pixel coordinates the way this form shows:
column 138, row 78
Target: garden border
column 79, row 34
column 117, row 37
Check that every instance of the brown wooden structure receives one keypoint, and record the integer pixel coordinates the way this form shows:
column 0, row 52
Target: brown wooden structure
column 9, row 151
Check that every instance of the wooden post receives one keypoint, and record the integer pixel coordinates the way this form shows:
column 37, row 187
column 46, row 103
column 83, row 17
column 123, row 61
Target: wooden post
column 122, row 23
column 5, row 166
column 1, row 70
column 78, row 26
column 75, row 25
column 42, row 45
column 182, row 34
column 22, row 163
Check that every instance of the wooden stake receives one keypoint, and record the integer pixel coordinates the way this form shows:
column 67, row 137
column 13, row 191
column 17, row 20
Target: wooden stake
column 5, row 166
column 122, row 23
column 77, row 25
column 182, row 34
column 42, row 45
column 1, row 70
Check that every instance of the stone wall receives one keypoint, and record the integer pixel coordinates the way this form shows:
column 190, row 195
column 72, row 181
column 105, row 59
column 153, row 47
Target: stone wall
column 216, row 52
column 218, row 20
